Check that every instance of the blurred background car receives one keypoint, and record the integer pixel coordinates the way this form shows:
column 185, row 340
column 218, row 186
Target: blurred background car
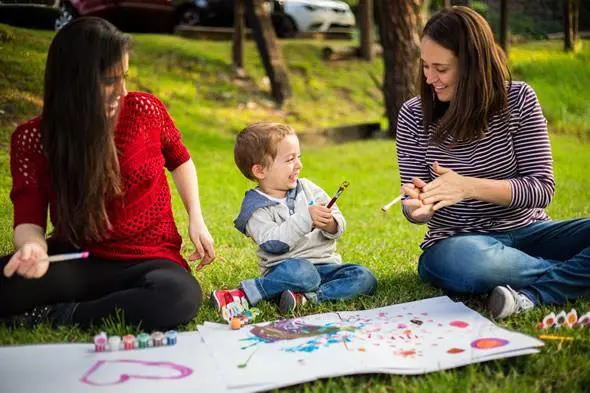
column 289, row 16
column 135, row 15
column 309, row 16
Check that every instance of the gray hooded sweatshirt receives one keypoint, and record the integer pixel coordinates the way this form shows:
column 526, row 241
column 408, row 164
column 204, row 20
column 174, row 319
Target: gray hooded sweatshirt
column 284, row 230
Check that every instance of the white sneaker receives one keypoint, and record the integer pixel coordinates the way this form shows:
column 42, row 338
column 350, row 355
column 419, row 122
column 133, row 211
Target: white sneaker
column 505, row 301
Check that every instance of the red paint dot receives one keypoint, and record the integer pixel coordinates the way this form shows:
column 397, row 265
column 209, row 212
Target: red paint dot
column 455, row 350
column 459, row 324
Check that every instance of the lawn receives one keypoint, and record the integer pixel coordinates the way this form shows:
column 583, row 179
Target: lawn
column 194, row 79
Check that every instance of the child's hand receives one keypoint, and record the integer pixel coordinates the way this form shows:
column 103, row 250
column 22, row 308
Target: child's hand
column 203, row 242
column 321, row 217
column 30, row 261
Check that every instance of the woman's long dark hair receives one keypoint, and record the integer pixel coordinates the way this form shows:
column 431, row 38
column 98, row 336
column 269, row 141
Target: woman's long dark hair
column 77, row 136
column 482, row 75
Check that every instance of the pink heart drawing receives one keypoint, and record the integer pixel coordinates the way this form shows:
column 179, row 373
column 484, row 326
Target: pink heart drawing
column 149, row 371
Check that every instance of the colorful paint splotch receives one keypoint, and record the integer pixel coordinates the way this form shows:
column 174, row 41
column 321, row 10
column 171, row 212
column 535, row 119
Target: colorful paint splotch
column 142, row 370
column 454, row 351
column 408, row 353
column 459, row 324
column 289, row 329
column 489, row 343
column 321, row 336
column 320, row 342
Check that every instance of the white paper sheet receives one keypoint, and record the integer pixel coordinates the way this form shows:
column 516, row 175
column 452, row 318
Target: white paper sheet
column 184, row 367
column 412, row 338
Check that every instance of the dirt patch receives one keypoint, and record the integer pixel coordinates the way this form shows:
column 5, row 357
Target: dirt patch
column 343, row 134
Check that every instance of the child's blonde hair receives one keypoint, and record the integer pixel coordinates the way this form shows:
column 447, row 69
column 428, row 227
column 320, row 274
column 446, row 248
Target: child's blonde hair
column 257, row 144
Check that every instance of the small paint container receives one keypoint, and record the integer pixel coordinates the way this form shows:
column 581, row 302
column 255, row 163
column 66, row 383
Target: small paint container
column 548, row 321
column 128, row 341
column 158, row 339
column 143, row 340
column 100, row 342
column 571, row 318
column 583, row 321
column 171, row 337
column 114, row 343
column 235, row 323
column 560, row 320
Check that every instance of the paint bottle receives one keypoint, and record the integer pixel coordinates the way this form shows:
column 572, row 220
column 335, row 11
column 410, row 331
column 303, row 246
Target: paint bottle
column 114, row 343
column 143, row 340
column 129, row 342
column 560, row 319
column 548, row 321
column 158, row 339
column 100, row 342
column 171, row 337
column 571, row 318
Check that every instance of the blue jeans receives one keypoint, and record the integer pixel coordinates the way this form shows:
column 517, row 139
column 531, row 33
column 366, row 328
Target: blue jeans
column 321, row 282
column 548, row 261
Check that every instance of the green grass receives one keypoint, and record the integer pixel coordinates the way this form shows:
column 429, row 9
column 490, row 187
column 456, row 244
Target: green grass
column 557, row 78
column 194, row 80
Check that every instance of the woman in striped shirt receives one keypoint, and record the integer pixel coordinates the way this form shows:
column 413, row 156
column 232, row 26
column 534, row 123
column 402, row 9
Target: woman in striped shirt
column 476, row 166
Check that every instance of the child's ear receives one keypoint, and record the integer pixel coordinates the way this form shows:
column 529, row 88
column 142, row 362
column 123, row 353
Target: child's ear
column 258, row 171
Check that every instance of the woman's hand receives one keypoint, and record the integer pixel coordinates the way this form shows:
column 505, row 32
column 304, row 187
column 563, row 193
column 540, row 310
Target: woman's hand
column 414, row 205
column 447, row 189
column 203, row 241
column 29, row 261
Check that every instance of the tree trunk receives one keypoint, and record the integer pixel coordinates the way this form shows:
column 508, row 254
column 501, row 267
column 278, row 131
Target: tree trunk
column 576, row 19
column 239, row 35
column 568, row 36
column 461, row 2
column 366, row 22
column 270, row 52
column 504, row 25
column 399, row 26
column 447, row 4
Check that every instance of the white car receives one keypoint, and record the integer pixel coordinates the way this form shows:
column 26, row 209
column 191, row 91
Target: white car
column 314, row 16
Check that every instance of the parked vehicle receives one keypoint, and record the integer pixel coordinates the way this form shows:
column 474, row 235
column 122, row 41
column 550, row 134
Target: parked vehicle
column 289, row 16
column 315, row 16
column 151, row 15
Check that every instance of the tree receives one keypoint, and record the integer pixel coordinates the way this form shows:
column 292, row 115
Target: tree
column 270, row 52
column 239, row 35
column 504, row 25
column 571, row 12
column 366, row 22
column 399, row 28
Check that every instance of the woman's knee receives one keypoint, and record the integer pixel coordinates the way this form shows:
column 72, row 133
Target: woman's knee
column 179, row 296
column 463, row 264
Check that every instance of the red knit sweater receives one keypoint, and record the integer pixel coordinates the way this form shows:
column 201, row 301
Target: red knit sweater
column 143, row 225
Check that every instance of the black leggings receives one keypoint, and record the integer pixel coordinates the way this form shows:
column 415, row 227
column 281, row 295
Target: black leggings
column 159, row 294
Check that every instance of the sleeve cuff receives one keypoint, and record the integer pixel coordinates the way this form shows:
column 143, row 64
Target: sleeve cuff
column 340, row 230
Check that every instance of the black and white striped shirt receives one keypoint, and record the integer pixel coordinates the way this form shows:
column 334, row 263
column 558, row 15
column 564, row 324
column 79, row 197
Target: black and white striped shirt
column 517, row 150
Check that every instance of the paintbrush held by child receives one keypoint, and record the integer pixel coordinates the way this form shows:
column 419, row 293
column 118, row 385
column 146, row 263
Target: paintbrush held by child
column 289, row 219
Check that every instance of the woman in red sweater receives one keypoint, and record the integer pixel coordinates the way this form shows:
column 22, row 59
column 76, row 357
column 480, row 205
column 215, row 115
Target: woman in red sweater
column 96, row 157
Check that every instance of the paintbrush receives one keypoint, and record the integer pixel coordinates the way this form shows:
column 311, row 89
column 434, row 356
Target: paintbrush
column 393, row 202
column 65, row 257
